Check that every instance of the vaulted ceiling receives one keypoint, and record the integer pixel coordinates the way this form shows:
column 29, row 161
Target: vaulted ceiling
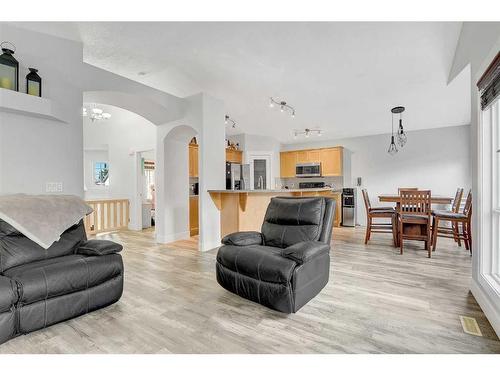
column 343, row 77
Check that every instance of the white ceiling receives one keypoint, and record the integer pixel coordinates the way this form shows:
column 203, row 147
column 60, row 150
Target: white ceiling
column 341, row 77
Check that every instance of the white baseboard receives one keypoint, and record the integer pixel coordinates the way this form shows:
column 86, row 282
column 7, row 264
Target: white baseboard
column 172, row 237
column 489, row 309
column 209, row 245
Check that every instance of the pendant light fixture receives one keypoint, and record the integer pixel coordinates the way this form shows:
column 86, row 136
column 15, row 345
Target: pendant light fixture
column 392, row 147
column 401, row 135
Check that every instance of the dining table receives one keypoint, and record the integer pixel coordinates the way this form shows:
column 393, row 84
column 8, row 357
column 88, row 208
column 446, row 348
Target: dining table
column 394, row 198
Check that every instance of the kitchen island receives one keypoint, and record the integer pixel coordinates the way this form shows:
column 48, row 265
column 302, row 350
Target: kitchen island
column 244, row 210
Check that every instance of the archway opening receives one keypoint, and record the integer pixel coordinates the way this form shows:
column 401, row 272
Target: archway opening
column 119, row 167
column 180, row 216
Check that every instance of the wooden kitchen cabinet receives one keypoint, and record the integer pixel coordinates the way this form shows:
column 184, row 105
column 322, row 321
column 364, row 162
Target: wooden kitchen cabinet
column 288, row 160
column 234, row 156
column 193, row 160
column 331, row 160
column 313, row 156
column 193, row 215
column 302, row 156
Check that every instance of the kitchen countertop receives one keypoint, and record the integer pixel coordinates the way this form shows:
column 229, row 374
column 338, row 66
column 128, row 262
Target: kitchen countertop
column 270, row 191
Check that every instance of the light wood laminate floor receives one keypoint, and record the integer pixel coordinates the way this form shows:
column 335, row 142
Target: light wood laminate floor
column 377, row 301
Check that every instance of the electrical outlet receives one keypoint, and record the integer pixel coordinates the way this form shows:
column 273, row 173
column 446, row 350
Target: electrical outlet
column 53, row 187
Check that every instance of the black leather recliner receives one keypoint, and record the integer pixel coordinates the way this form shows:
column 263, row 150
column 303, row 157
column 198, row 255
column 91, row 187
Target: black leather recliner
column 288, row 263
column 41, row 287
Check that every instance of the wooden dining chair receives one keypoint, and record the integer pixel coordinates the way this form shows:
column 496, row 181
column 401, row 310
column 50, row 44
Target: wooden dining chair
column 456, row 219
column 414, row 217
column 455, row 207
column 379, row 213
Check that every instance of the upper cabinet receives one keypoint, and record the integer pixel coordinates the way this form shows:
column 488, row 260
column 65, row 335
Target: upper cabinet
column 234, row 156
column 331, row 160
column 193, row 160
column 287, row 163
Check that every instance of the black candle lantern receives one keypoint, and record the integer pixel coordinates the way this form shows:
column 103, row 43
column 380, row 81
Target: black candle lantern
column 9, row 67
column 33, row 83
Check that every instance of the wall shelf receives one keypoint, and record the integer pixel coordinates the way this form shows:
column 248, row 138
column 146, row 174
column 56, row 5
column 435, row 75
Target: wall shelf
column 29, row 105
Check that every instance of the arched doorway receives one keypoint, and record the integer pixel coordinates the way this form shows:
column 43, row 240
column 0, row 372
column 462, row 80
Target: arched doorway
column 173, row 219
column 123, row 144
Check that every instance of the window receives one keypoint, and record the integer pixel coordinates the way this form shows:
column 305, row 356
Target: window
column 101, row 173
column 488, row 210
column 490, row 123
column 495, row 125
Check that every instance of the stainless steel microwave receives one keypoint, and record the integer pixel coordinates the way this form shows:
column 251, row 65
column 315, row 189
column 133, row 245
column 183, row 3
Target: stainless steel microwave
column 308, row 170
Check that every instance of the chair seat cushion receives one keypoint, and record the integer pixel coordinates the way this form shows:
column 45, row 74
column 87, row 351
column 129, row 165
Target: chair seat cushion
column 8, row 293
column 387, row 211
column 448, row 214
column 418, row 219
column 57, row 276
column 383, row 209
column 259, row 262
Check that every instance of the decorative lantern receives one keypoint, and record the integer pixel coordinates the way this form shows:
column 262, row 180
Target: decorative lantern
column 9, row 67
column 33, row 83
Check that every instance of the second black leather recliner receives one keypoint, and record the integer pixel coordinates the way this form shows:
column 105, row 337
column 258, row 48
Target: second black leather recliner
column 40, row 287
column 286, row 264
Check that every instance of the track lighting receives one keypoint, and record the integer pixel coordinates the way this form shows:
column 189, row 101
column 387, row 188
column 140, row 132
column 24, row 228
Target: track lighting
column 228, row 120
column 307, row 132
column 283, row 106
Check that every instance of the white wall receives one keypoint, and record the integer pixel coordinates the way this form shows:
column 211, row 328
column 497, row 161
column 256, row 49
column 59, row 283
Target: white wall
column 123, row 135
column 436, row 159
column 205, row 119
column 35, row 151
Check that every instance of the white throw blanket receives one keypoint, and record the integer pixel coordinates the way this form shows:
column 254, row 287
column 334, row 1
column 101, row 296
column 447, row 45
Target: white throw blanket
column 42, row 218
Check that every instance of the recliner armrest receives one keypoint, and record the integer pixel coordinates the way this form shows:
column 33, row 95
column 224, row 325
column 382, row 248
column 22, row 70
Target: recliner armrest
column 99, row 247
column 243, row 239
column 302, row 252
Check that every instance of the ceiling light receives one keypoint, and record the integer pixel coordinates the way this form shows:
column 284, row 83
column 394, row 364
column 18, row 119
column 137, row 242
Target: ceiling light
column 283, row 106
column 95, row 113
column 401, row 136
column 307, row 132
column 229, row 120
